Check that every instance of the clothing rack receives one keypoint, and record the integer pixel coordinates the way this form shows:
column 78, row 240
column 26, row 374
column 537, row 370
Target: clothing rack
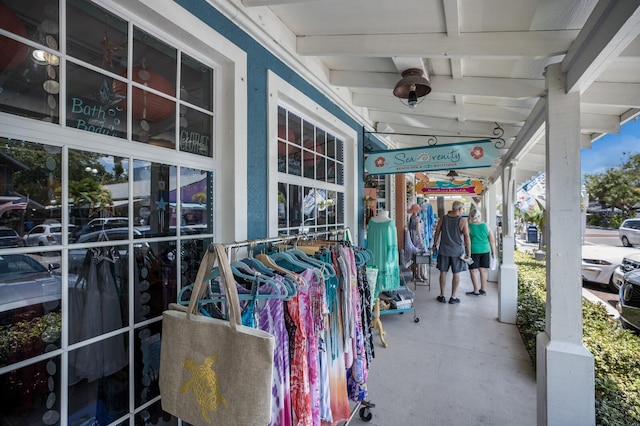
column 285, row 238
column 364, row 407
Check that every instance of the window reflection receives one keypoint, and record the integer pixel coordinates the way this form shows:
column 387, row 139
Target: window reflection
column 99, row 382
column 30, row 303
column 147, row 362
column 156, row 277
column 154, row 415
column 31, row 395
column 98, row 197
column 30, row 185
column 196, row 196
column 98, row 291
column 196, row 83
column 30, row 73
column 108, row 52
column 153, row 183
column 92, row 104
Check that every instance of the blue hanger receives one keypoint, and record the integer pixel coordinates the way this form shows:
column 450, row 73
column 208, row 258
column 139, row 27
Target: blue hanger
column 327, row 272
column 289, row 261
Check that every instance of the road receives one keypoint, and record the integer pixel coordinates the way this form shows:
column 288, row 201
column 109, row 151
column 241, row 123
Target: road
column 602, row 236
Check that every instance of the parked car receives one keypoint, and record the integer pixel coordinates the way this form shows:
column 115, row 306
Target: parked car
column 9, row 237
column 631, row 262
column 24, row 282
column 600, row 261
column 46, row 234
column 77, row 255
column 629, row 306
column 99, row 224
column 630, row 232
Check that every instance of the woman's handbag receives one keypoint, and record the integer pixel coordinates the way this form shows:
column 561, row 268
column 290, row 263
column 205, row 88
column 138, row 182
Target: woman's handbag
column 215, row 372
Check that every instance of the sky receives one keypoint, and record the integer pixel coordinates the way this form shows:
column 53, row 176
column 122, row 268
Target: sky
column 611, row 150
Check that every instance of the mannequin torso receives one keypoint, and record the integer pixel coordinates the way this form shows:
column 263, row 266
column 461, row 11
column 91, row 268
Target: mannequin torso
column 383, row 216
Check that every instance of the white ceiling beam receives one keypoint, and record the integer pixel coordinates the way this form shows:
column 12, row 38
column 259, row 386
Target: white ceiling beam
column 444, row 109
column 518, row 88
column 598, row 123
column 530, row 133
column 613, row 94
column 488, row 45
column 612, row 27
column 452, row 17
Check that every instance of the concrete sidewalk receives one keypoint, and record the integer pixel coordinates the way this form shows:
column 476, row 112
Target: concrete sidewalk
column 457, row 366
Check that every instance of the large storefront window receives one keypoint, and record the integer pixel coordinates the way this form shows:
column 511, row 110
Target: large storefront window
column 149, row 102
column 99, row 227
column 311, row 183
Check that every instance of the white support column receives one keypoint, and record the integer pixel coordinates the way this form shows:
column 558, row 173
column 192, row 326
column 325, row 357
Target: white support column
column 565, row 377
column 490, row 214
column 508, row 273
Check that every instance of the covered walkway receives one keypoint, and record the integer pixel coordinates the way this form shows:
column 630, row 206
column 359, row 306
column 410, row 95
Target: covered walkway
column 457, row 366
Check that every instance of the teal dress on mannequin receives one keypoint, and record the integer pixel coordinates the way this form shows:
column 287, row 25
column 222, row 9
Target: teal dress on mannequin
column 382, row 241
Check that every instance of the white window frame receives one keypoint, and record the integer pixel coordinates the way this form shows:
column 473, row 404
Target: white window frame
column 281, row 93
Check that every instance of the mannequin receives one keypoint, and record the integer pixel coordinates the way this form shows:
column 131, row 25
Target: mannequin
column 383, row 216
column 383, row 243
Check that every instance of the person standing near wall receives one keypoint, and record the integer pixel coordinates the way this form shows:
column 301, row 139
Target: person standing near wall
column 416, row 233
column 454, row 249
column 482, row 250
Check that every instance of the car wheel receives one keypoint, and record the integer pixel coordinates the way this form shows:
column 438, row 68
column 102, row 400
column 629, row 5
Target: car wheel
column 625, row 242
column 612, row 286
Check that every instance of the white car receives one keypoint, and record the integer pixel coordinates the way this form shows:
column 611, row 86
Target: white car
column 631, row 262
column 600, row 261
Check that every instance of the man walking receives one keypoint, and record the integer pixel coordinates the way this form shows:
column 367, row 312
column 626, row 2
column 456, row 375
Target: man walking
column 454, row 250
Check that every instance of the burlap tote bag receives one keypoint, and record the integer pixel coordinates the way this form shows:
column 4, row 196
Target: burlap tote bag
column 215, row 372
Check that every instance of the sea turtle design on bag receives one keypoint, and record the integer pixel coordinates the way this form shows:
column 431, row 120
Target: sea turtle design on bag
column 204, row 385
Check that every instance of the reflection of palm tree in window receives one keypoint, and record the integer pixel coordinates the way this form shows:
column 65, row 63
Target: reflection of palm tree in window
column 89, row 194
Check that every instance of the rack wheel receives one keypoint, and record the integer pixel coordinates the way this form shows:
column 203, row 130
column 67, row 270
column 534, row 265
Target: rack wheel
column 416, row 320
column 365, row 414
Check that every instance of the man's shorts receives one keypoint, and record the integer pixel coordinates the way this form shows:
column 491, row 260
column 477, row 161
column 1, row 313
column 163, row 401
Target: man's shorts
column 455, row 263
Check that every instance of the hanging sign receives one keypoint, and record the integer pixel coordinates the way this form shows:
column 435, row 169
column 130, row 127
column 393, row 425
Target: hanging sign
column 468, row 186
column 464, row 155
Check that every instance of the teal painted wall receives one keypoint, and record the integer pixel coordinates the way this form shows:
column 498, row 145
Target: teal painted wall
column 259, row 61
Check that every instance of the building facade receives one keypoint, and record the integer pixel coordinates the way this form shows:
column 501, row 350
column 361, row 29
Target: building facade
column 133, row 134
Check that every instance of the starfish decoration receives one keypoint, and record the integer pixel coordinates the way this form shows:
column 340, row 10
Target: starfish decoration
column 108, row 49
column 161, row 204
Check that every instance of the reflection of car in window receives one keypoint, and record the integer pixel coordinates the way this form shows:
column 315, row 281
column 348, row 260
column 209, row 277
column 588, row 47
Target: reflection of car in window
column 45, row 235
column 9, row 237
column 77, row 255
column 24, row 281
column 99, row 224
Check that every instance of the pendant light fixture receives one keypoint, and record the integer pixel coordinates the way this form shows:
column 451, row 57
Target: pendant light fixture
column 412, row 88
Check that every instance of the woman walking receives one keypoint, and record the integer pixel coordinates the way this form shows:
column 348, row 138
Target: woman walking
column 482, row 251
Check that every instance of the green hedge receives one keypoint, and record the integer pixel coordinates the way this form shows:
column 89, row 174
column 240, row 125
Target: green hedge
column 616, row 351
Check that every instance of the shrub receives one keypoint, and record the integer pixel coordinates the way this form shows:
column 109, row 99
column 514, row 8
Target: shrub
column 616, row 351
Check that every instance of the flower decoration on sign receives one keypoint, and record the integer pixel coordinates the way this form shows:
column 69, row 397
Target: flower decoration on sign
column 477, row 152
column 380, row 162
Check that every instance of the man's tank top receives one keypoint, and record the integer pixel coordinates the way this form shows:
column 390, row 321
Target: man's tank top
column 451, row 239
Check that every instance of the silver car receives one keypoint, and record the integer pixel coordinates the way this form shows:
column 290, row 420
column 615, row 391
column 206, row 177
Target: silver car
column 630, row 232
column 47, row 234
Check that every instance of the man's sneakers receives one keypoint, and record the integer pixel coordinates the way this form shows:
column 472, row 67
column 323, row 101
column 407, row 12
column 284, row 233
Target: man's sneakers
column 452, row 300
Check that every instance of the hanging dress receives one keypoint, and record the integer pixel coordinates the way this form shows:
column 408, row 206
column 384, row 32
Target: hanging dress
column 382, row 240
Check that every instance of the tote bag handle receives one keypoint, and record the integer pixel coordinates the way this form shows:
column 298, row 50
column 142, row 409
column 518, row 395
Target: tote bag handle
column 216, row 251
